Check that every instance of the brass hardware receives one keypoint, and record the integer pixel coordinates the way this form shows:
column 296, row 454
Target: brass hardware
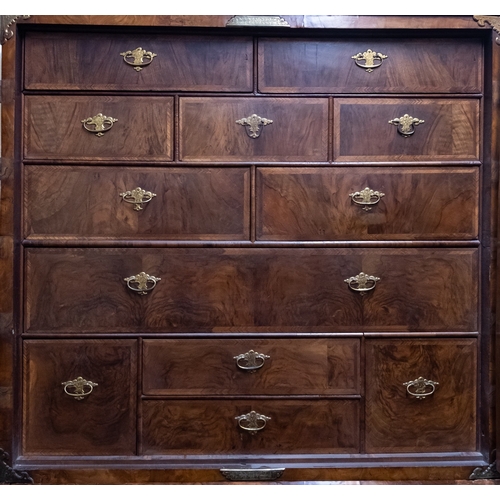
column 257, row 21
column 369, row 57
column 100, row 123
column 251, row 360
column 263, row 474
column 252, row 422
column 493, row 21
column 422, row 387
column 142, row 279
column 254, row 124
column 137, row 197
column 366, row 197
column 406, row 124
column 138, row 58
column 361, row 283
column 7, row 29
column 77, row 387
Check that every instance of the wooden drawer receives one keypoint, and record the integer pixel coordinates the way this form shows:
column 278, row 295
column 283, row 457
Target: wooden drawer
column 398, row 422
column 190, row 203
column 55, row 421
column 363, row 133
column 310, row 203
column 228, row 290
column 93, row 61
column 184, row 427
column 412, row 65
column 209, row 132
column 266, row 367
column 143, row 130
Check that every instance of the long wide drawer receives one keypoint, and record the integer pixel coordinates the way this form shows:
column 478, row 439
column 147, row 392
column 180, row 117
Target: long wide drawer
column 250, row 290
column 220, row 426
column 254, row 367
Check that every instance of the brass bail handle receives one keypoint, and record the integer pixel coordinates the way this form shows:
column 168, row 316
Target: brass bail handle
column 137, row 197
column 362, row 283
column 372, row 60
column 252, row 422
column 254, row 125
column 78, row 388
column 142, row 283
column 251, row 360
column 366, row 198
column 420, row 388
column 138, row 58
column 406, row 124
column 98, row 124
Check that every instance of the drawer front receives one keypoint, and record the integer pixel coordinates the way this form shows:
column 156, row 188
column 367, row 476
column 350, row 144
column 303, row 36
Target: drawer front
column 93, row 61
column 143, row 129
column 334, row 203
column 210, row 132
column 450, row 129
column 412, row 65
column 257, row 366
column 210, row 427
column 228, row 290
column 397, row 421
column 188, row 203
column 64, row 417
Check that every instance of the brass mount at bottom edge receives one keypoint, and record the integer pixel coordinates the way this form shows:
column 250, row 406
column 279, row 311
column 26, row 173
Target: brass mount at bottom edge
column 264, row 474
column 10, row 476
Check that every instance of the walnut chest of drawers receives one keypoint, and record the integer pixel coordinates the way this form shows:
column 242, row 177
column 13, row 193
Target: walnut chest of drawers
column 240, row 250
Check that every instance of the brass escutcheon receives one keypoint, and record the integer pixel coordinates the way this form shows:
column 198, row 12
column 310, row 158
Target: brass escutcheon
column 252, row 422
column 372, row 60
column 251, row 360
column 362, row 283
column 138, row 58
column 421, row 387
column 366, row 198
column 142, row 279
column 77, row 387
column 99, row 123
column 137, row 197
column 254, row 125
column 406, row 124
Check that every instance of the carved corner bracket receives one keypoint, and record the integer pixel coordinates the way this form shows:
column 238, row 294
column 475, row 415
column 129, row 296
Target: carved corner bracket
column 9, row 475
column 493, row 21
column 6, row 24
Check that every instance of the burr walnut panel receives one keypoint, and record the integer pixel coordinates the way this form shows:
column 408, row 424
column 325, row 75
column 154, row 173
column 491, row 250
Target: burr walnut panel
column 363, row 133
column 262, row 366
column 103, row 422
column 54, row 130
column 442, row 422
column 412, row 65
column 314, row 203
column 93, row 61
column 189, row 203
column 210, row 426
column 298, row 132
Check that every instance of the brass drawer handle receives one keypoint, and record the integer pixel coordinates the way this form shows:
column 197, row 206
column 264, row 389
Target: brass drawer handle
column 252, row 422
column 138, row 58
column 251, row 360
column 421, row 387
column 254, row 125
column 372, row 60
column 406, row 124
column 98, row 124
column 141, row 281
column 362, row 283
column 78, row 388
column 137, row 197
column 366, row 197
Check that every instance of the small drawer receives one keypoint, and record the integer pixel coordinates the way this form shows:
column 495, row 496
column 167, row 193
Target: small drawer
column 98, row 128
column 354, row 203
column 97, row 61
column 421, row 395
column 161, row 203
column 406, row 129
column 370, row 65
column 254, row 367
column 254, row 129
column 79, row 397
column 192, row 427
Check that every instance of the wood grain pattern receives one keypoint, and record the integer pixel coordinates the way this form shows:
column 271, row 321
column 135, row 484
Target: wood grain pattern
column 398, row 422
column 207, row 427
column 144, row 130
column 419, row 203
column 209, row 132
column 363, row 132
column 298, row 366
column 92, row 61
column 190, row 203
column 412, row 65
column 101, row 424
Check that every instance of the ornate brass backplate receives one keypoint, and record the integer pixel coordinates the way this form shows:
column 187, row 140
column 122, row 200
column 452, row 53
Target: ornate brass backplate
column 420, row 388
column 362, row 283
column 138, row 58
column 263, row 21
column 251, row 360
column 263, row 474
column 366, row 198
column 98, row 124
column 137, row 197
column 78, row 388
column 372, row 59
column 406, row 124
column 254, row 124
column 252, row 422
column 141, row 283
